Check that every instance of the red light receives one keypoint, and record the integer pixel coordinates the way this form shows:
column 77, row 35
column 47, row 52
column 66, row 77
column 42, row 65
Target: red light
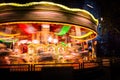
column 29, row 29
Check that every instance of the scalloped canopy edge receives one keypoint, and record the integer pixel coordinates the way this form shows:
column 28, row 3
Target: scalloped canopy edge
column 51, row 3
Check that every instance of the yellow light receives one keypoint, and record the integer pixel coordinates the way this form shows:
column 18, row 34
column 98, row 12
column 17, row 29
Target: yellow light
column 9, row 35
column 83, row 36
column 6, row 38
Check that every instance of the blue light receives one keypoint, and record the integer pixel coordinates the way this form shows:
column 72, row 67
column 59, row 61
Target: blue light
column 92, row 7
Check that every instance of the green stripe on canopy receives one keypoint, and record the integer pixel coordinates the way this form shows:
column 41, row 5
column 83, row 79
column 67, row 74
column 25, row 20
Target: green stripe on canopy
column 1, row 40
column 8, row 40
column 64, row 44
column 64, row 30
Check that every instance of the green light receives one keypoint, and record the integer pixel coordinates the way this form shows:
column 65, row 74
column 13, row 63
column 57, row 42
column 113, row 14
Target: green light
column 64, row 44
column 64, row 30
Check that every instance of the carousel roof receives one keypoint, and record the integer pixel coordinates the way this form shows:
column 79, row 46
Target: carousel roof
column 36, row 11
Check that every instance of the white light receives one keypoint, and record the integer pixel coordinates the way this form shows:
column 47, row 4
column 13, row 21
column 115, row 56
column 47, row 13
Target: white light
column 101, row 18
column 50, row 39
column 45, row 26
column 55, row 41
column 35, row 41
column 31, row 29
column 23, row 41
column 90, row 6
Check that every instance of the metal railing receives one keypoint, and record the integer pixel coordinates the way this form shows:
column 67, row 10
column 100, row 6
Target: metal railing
column 101, row 62
column 38, row 67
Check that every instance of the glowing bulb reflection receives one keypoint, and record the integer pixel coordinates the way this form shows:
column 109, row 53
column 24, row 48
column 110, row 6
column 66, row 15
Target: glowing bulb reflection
column 35, row 41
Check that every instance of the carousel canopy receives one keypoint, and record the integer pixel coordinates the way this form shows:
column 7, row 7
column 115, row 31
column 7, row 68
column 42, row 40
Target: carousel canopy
column 49, row 13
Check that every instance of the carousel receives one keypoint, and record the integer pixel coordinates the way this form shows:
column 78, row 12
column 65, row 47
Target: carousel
column 45, row 32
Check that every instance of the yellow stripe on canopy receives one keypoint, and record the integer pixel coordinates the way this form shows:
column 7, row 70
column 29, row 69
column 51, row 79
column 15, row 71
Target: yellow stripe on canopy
column 83, row 36
column 10, row 35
